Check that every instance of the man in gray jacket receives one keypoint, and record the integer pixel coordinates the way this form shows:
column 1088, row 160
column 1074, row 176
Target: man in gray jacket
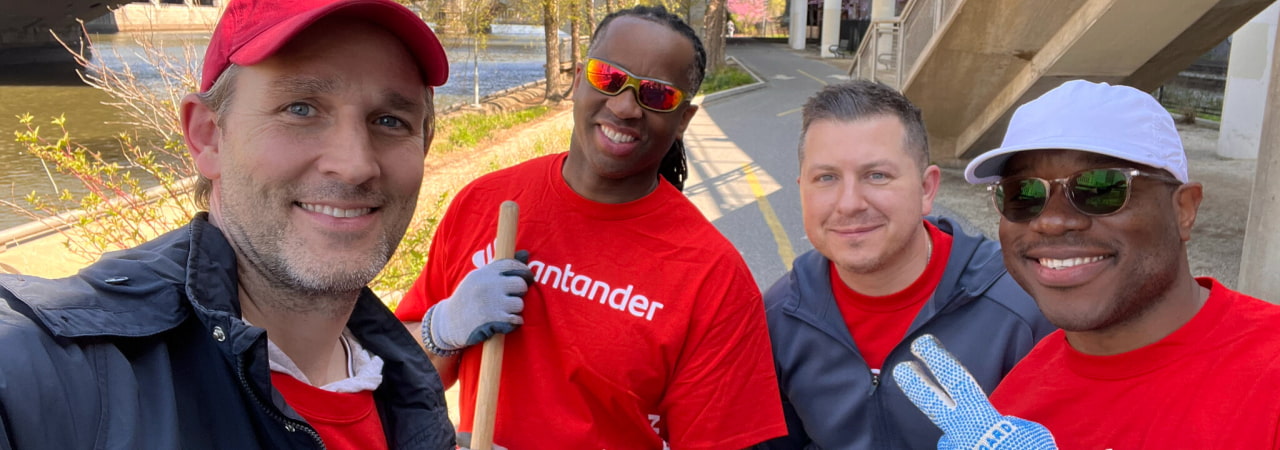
column 880, row 274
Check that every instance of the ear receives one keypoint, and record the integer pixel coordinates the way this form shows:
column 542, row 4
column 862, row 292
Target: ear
column 685, row 117
column 201, row 133
column 429, row 129
column 577, row 77
column 1186, row 202
column 932, row 179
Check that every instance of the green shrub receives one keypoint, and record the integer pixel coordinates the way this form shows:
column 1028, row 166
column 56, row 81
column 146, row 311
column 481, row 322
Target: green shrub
column 405, row 265
column 728, row 77
column 123, row 204
column 465, row 131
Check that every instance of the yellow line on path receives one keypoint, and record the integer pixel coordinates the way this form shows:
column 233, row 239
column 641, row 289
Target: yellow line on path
column 824, row 83
column 789, row 111
column 779, row 234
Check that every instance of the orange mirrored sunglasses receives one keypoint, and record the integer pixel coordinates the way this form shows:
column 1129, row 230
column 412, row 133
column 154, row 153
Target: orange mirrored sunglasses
column 652, row 94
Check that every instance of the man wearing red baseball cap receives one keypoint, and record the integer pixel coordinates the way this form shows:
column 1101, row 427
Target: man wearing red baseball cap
column 252, row 327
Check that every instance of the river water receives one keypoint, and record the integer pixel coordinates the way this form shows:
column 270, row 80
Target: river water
column 513, row 56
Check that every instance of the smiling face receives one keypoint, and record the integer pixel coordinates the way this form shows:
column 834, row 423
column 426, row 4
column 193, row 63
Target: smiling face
column 1094, row 273
column 317, row 163
column 617, row 146
column 863, row 194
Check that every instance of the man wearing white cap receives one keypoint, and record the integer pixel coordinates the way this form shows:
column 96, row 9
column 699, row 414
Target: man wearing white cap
column 252, row 327
column 1096, row 208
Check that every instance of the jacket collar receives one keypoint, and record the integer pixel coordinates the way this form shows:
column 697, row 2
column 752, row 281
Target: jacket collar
column 973, row 266
column 131, row 293
column 140, row 291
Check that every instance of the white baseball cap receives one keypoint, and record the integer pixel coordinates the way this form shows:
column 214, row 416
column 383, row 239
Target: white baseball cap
column 1116, row 121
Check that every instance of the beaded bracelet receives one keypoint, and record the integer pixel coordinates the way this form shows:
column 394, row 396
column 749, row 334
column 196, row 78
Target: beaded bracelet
column 429, row 342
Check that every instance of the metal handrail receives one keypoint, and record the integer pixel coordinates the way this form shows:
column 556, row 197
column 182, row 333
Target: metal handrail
column 897, row 31
column 868, row 58
column 862, row 46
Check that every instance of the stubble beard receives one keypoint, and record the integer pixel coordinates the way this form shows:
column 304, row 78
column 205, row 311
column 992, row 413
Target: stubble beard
column 1132, row 301
column 306, row 283
column 874, row 264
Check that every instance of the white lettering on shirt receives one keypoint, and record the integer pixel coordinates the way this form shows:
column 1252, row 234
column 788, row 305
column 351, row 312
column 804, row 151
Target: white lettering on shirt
column 614, row 296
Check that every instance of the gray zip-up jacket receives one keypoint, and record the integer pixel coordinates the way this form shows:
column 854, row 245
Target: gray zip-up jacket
column 830, row 397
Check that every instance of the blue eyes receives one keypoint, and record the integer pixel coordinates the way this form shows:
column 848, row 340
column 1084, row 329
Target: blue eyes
column 390, row 122
column 873, row 177
column 306, row 110
column 300, row 109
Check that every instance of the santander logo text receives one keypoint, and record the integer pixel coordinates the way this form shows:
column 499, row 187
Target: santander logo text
column 622, row 299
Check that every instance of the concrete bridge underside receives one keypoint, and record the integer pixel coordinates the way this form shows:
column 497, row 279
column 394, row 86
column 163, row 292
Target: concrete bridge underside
column 992, row 55
column 27, row 28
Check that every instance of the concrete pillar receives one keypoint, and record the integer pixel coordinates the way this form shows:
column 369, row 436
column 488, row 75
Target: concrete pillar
column 1248, row 77
column 882, row 9
column 830, row 27
column 34, row 44
column 1258, row 274
column 799, row 10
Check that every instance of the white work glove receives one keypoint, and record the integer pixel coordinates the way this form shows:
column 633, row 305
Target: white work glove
column 488, row 301
column 959, row 407
column 463, row 439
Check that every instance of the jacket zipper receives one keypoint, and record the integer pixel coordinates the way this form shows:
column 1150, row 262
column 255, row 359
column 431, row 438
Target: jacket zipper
column 289, row 424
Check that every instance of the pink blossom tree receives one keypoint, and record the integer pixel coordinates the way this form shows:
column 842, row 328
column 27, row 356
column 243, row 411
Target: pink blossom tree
column 749, row 12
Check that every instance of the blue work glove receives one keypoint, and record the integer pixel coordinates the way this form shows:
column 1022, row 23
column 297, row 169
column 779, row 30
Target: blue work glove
column 959, row 407
column 487, row 301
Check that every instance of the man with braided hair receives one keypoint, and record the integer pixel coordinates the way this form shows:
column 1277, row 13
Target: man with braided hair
column 640, row 323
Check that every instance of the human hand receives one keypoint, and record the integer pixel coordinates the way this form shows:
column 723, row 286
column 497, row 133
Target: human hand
column 487, row 301
column 959, row 407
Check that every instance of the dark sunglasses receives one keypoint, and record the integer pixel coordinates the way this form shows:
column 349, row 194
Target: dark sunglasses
column 1096, row 192
column 652, row 94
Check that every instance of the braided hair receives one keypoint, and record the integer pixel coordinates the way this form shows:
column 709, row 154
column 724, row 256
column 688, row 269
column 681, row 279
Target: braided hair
column 673, row 167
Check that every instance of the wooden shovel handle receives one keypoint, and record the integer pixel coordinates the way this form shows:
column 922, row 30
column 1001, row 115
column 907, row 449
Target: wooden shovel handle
column 491, row 357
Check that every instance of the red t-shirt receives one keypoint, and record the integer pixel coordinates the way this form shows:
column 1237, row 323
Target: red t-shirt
column 344, row 420
column 643, row 317
column 878, row 324
column 1212, row 384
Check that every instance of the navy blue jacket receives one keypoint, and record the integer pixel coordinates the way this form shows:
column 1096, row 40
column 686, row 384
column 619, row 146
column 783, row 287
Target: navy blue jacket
column 145, row 349
column 829, row 395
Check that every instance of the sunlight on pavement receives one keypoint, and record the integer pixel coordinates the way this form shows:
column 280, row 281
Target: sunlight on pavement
column 722, row 179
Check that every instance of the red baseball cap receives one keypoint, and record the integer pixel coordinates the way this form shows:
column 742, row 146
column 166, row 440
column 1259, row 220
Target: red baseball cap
column 250, row 31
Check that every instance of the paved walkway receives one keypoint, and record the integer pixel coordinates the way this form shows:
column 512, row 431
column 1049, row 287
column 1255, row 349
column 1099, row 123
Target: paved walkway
column 743, row 161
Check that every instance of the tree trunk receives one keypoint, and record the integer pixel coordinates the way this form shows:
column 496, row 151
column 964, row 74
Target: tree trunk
column 590, row 19
column 713, row 41
column 575, row 33
column 551, row 33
